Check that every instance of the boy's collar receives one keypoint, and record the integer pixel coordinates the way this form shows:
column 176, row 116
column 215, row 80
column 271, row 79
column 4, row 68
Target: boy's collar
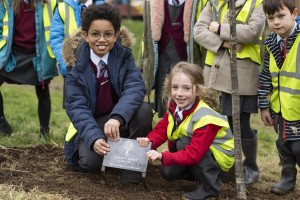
column 96, row 59
column 170, row 2
column 279, row 37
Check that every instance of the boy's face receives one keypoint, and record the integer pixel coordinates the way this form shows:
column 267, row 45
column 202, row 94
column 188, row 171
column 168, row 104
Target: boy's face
column 101, row 37
column 183, row 91
column 282, row 21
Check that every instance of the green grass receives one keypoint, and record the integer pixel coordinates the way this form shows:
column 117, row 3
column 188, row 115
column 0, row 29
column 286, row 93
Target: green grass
column 136, row 27
column 20, row 107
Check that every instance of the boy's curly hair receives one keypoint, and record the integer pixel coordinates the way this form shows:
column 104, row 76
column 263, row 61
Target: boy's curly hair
column 103, row 12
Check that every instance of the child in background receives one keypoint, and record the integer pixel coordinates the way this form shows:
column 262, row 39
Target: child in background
column 170, row 26
column 212, row 32
column 25, row 56
column 200, row 141
column 279, row 86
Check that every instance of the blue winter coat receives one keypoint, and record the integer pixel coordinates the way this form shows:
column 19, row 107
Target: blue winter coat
column 57, row 31
column 44, row 65
column 81, row 89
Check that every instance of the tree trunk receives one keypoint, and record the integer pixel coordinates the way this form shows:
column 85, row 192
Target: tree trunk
column 128, row 9
column 240, row 182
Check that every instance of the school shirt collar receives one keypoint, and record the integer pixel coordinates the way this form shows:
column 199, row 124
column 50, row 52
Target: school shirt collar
column 88, row 3
column 280, row 38
column 171, row 2
column 96, row 59
column 180, row 112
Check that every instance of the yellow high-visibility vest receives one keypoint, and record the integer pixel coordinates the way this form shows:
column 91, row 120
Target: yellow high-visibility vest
column 5, row 28
column 48, row 10
column 47, row 16
column 71, row 132
column 251, row 51
column 223, row 144
column 285, row 96
column 201, row 5
column 66, row 13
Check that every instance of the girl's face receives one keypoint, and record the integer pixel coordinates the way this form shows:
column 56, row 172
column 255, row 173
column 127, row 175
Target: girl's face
column 183, row 91
column 282, row 21
column 101, row 37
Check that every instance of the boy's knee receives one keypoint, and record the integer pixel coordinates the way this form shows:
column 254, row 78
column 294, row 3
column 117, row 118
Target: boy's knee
column 144, row 111
column 90, row 164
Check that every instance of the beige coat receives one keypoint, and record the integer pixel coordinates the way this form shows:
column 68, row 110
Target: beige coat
column 218, row 76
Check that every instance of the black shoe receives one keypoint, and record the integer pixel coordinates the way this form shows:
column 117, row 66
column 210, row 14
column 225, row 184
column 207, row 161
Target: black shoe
column 287, row 181
column 5, row 128
column 200, row 194
column 131, row 176
column 44, row 133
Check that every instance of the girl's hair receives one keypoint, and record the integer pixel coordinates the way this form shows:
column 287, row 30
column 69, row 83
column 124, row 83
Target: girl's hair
column 104, row 11
column 272, row 6
column 194, row 72
column 17, row 5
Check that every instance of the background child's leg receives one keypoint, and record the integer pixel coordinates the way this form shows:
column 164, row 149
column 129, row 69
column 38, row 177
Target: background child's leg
column 44, row 108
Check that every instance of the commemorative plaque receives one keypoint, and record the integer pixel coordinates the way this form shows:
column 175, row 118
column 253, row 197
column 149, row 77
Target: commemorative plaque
column 127, row 154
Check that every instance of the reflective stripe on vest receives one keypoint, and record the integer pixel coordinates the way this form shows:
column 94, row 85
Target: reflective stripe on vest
column 223, row 144
column 285, row 97
column 66, row 13
column 5, row 27
column 47, row 16
column 251, row 51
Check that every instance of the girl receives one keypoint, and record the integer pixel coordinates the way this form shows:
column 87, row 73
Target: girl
column 199, row 139
column 25, row 56
column 170, row 26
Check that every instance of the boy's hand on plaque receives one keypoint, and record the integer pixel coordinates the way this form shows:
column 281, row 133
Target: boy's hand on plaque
column 101, row 147
column 112, row 130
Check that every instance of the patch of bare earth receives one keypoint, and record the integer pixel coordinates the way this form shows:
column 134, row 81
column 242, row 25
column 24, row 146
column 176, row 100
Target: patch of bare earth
column 43, row 167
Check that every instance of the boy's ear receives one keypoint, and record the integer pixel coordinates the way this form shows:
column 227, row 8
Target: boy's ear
column 295, row 13
column 85, row 36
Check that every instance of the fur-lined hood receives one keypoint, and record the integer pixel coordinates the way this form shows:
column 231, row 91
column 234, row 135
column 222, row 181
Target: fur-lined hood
column 72, row 43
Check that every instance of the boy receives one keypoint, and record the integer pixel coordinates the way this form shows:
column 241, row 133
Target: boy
column 279, row 87
column 104, row 90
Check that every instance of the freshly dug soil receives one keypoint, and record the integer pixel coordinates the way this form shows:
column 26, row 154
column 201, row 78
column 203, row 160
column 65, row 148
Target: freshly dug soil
column 45, row 168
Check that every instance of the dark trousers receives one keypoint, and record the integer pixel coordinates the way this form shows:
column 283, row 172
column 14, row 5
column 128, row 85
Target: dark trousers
column 207, row 171
column 140, row 125
column 287, row 149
